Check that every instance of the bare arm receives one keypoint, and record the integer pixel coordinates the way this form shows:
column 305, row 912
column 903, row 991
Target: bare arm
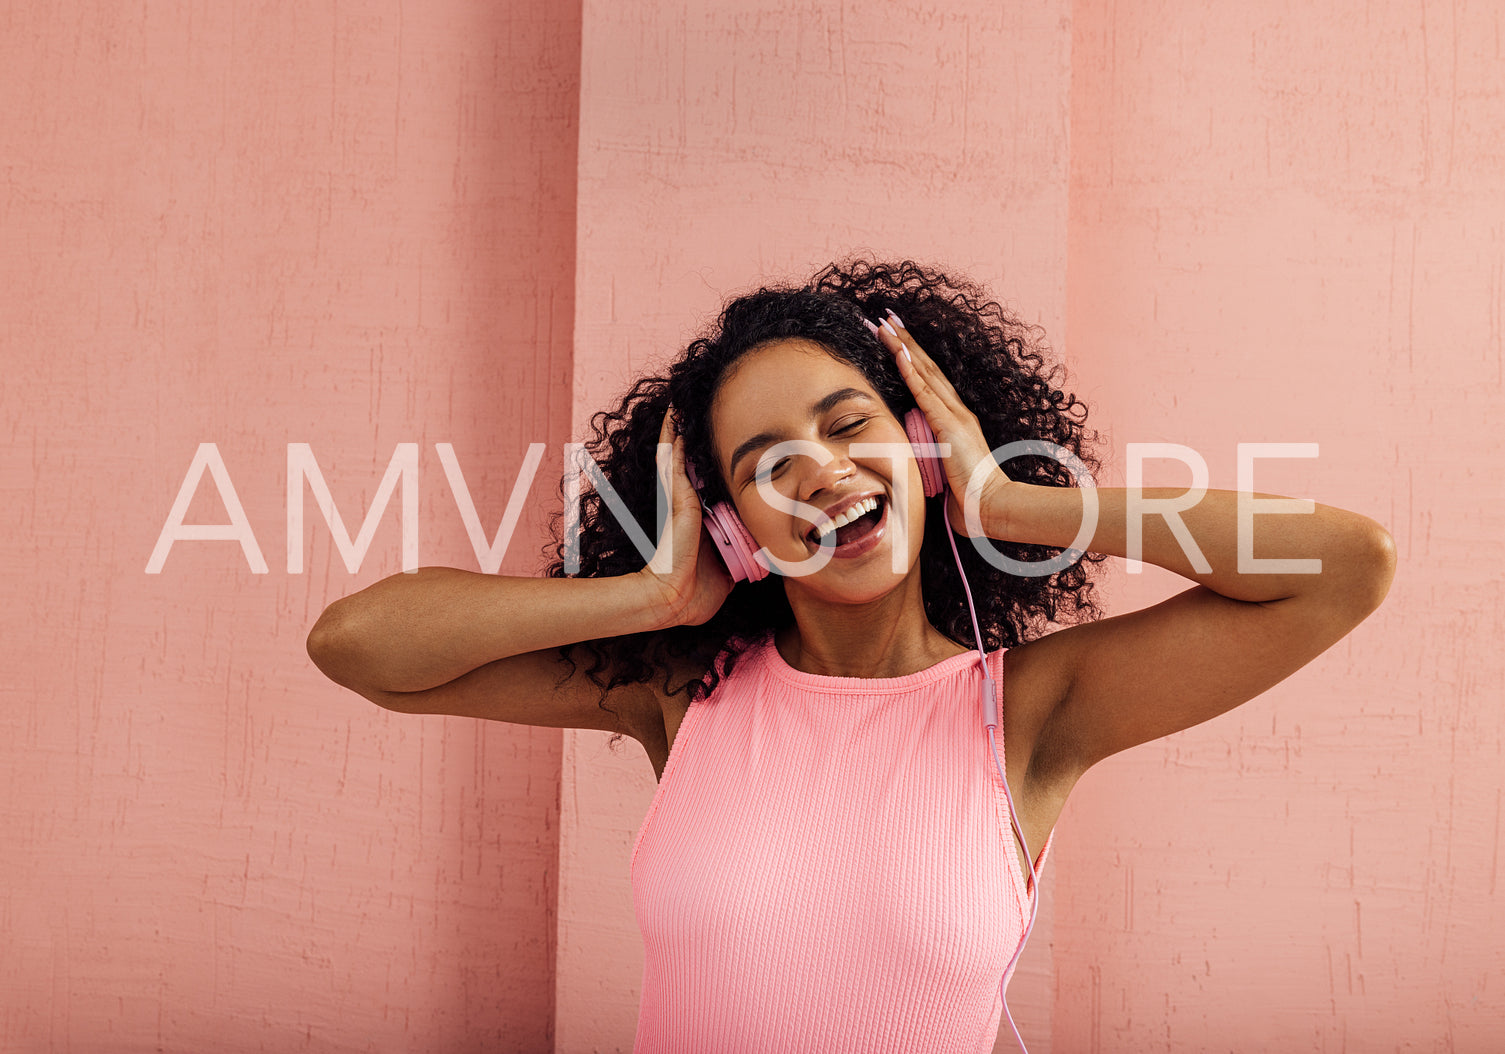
column 1094, row 689
column 447, row 641
column 1138, row 676
column 413, row 632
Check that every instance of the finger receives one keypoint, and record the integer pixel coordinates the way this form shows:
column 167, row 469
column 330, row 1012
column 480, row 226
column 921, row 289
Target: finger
column 680, row 475
column 928, row 367
column 664, row 469
column 892, row 330
column 895, row 325
column 674, row 470
column 949, row 416
column 684, row 508
column 686, row 496
column 889, row 337
column 683, row 493
column 917, row 382
column 926, row 380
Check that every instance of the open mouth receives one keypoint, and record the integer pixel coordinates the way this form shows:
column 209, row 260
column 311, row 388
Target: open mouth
column 851, row 528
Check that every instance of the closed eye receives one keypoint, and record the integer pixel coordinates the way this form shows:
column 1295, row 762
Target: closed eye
column 843, row 429
column 772, row 470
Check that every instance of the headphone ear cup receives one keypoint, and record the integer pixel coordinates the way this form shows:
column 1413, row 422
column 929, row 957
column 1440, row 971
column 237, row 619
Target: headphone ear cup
column 932, row 474
column 733, row 541
column 738, row 550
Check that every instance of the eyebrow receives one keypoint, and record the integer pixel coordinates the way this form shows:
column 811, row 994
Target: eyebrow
column 817, row 408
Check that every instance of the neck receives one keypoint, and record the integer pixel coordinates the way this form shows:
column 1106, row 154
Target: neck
column 888, row 636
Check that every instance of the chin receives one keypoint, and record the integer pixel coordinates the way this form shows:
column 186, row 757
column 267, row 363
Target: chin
column 854, row 585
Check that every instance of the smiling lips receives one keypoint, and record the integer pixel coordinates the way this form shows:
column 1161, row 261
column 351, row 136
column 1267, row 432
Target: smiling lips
column 852, row 512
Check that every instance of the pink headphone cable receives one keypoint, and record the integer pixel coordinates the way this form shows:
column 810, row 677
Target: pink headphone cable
column 990, row 722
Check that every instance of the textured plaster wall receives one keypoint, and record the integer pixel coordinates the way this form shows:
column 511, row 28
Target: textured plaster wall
column 256, row 225
column 1287, row 225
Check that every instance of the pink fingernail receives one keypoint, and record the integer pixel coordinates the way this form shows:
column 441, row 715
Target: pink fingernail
column 870, row 326
column 896, row 317
column 890, row 328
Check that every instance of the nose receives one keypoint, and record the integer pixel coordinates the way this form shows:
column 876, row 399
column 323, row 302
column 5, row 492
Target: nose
column 832, row 474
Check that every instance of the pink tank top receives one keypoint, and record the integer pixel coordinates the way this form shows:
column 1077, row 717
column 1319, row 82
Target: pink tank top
column 828, row 866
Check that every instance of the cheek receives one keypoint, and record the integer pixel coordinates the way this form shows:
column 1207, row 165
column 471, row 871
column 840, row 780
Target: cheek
column 762, row 518
column 917, row 527
column 915, row 521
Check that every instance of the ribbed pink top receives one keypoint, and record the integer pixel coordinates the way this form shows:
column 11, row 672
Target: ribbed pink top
column 828, row 866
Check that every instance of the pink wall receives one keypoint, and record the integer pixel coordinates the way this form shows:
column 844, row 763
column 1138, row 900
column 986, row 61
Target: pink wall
column 356, row 228
column 255, row 226
column 1287, row 225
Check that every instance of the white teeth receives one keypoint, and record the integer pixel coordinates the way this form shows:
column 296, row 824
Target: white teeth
column 864, row 506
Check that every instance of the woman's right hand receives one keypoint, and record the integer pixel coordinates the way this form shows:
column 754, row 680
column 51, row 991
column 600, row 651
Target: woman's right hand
column 695, row 582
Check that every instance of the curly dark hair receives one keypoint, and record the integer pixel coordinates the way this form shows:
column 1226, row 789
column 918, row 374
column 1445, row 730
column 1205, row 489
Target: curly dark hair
column 997, row 364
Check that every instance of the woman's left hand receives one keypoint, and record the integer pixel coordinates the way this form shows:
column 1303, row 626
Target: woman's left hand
column 953, row 424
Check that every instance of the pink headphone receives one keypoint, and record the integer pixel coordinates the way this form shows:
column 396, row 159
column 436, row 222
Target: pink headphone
column 736, row 545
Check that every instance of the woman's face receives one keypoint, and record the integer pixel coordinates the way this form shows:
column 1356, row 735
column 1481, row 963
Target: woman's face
column 789, row 425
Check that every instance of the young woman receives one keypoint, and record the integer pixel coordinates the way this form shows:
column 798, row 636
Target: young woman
column 837, row 855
